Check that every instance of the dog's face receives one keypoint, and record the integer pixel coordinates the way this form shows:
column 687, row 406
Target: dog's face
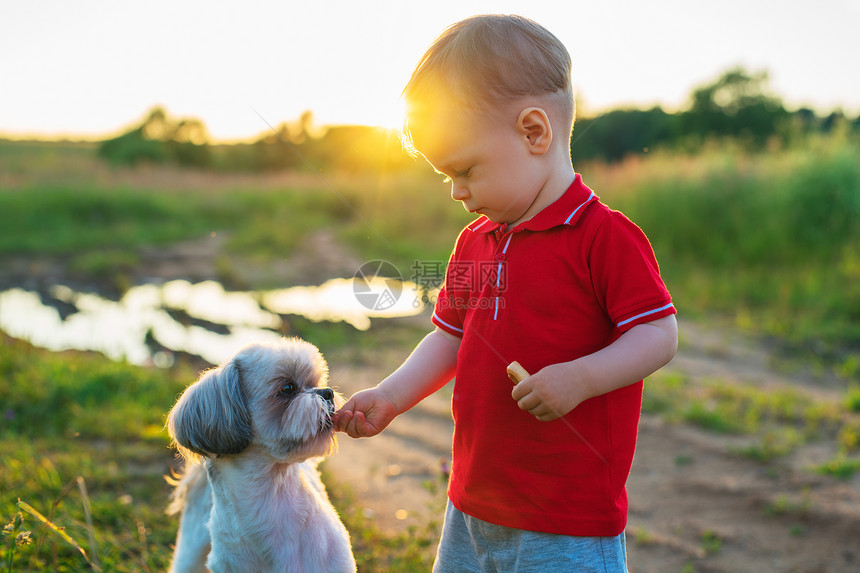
column 270, row 398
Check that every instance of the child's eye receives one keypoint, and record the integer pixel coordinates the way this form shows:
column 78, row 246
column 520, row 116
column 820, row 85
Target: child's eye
column 464, row 174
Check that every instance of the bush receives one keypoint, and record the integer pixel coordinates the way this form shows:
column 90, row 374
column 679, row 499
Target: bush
column 160, row 139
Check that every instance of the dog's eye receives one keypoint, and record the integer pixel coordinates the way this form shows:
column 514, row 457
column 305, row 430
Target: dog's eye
column 288, row 386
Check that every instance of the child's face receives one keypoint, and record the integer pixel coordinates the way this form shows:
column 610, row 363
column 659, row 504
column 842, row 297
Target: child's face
column 486, row 159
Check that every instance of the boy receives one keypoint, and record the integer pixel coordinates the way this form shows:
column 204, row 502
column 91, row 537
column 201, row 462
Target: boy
column 547, row 276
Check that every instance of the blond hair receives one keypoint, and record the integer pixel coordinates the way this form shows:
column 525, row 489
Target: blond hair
column 490, row 60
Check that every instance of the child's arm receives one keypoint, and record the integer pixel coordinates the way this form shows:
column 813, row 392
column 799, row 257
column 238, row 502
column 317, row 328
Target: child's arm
column 559, row 388
column 430, row 366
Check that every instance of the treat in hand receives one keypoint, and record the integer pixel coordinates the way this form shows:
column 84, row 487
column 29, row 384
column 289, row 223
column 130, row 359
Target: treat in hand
column 516, row 372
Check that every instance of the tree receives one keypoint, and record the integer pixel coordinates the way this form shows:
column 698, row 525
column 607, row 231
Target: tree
column 620, row 132
column 736, row 104
column 159, row 139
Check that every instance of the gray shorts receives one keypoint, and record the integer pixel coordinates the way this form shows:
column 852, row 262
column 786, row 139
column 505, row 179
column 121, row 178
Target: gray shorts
column 471, row 545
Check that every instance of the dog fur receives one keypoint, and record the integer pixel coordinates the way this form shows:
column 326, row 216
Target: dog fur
column 252, row 432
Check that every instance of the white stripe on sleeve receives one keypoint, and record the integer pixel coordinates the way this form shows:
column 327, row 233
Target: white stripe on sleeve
column 443, row 323
column 638, row 316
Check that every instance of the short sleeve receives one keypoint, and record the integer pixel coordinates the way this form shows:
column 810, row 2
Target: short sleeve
column 446, row 314
column 625, row 274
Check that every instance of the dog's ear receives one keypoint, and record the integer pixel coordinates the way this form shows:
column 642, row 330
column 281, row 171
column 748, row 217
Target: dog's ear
column 212, row 416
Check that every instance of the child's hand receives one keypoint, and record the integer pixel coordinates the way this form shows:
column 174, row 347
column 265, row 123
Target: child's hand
column 550, row 393
column 365, row 414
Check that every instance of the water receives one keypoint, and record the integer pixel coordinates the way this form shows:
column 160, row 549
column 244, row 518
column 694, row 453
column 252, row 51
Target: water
column 225, row 320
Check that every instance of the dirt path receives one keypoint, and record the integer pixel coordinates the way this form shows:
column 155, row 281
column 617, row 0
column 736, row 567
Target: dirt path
column 695, row 506
column 692, row 502
column 392, row 473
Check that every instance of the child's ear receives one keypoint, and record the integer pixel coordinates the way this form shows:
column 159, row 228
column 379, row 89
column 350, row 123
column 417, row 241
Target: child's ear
column 534, row 125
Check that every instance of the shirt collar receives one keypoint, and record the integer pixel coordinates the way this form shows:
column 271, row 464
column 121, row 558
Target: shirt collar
column 566, row 210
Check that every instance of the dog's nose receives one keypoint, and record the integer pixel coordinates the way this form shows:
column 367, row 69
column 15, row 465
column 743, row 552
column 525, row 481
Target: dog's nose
column 327, row 394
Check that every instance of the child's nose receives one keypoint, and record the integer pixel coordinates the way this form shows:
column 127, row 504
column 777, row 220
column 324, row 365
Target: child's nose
column 459, row 192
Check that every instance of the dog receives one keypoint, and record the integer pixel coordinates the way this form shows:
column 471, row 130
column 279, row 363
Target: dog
column 252, row 432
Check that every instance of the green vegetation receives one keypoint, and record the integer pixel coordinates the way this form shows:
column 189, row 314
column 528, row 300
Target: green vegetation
column 771, row 423
column 711, row 542
column 160, row 139
column 70, row 416
column 410, row 551
column 770, row 240
column 852, row 400
column 101, row 219
column 737, row 106
column 841, row 466
column 62, row 220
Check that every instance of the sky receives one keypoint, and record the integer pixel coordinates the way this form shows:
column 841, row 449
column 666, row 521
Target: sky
column 92, row 68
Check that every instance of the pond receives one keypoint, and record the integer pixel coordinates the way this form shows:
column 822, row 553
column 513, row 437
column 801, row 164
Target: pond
column 202, row 319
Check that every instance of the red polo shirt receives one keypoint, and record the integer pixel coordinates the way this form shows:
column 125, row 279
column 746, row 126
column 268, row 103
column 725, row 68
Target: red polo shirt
column 562, row 285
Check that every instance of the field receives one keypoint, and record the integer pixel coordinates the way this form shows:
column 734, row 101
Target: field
column 750, row 443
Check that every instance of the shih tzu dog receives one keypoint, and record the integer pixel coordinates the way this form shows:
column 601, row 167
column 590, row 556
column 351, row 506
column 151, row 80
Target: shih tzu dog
column 252, row 432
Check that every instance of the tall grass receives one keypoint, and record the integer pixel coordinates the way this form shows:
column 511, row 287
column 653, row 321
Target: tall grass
column 51, row 207
column 727, row 209
column 771, row 240
column 58, row 220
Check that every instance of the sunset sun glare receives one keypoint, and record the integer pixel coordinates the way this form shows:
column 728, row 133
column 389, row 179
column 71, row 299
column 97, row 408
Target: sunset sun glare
column 389, row 114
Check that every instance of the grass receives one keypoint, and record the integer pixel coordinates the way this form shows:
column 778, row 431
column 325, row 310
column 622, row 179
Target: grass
column 73, row 420
column 411, row 550
column 840, row 466
column 771, row 240
column 101, row 218
column 783, row 506
column 852, row 399
column 778, row 421
column 711, row 542
column 83, row 445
